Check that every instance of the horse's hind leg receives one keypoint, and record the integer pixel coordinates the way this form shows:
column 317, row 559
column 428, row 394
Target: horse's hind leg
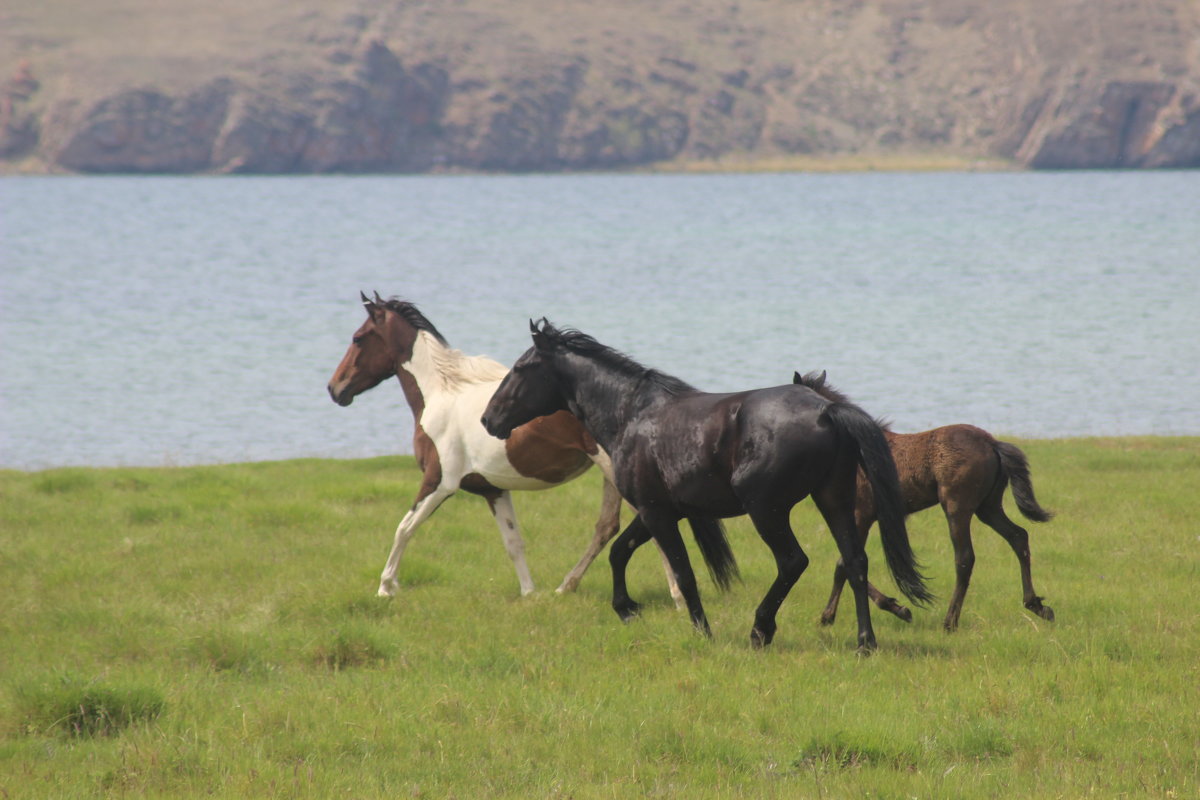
column 991, row 513
column 607, row 526
column 428, row 499
column 881, row 600
column 829, row 614
column 959, row 520
column 790, row 562
column 853, row 561
column 506, row 518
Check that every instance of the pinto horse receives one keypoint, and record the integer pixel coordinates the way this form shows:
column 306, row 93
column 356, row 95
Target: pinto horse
column 677, row 452
column 447, row 391
column 965, row 470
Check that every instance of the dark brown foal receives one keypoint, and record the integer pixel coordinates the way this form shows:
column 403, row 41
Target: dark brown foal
column 965, row 470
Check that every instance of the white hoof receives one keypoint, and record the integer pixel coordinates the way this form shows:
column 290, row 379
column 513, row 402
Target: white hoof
column 387, row 589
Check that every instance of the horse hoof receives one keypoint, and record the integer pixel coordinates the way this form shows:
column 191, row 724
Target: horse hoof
column 387, row 590
column 628, row 611
column 827, row 619
column 903, row 613
column 866, row 646
column 1046, row 613
column 758, row 639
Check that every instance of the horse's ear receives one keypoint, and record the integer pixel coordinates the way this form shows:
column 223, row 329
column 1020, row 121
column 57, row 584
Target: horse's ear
column 366, row 300
column 374, row 308
column 540, row 340
column 812, row 380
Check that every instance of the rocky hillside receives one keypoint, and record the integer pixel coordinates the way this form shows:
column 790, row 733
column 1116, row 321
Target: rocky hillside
column 422, row 85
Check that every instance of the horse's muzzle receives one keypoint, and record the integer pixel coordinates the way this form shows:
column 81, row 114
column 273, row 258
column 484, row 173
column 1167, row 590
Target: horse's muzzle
column 492, row 428
column 342, row 398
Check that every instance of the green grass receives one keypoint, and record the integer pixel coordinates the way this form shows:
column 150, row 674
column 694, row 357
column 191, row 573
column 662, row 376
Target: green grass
column 213, row 631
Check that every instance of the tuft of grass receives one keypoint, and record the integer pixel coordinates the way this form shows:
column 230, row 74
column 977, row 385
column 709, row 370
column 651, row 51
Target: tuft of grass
column 841, row 751
column 228, row 651
column 76, row 707
column 351, row 646
column 64, row 481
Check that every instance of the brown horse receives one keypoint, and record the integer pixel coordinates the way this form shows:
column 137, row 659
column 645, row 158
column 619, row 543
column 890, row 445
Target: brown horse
column 447, row 392
column 965, row 470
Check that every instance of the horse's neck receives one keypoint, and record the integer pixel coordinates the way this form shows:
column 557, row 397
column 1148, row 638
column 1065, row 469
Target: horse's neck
column 606, row 401
column 435, row 370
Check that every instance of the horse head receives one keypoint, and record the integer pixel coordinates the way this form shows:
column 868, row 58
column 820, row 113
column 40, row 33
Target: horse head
column 530, row 389
column 381, row 344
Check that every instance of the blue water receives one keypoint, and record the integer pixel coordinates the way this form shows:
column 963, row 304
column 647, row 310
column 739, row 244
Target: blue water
column 196, row 320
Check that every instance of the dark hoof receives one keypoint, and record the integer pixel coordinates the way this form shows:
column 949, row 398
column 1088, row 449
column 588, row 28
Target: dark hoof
column 827, row 619
column 900, row 611
column 627, row 611
column 1045, row 612
column 866, row 646
column 759, row 640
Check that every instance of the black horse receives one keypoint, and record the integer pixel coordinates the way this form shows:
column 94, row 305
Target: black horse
column 678, row 452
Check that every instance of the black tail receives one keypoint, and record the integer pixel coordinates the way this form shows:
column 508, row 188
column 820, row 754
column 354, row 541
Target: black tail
column 710, row 537
column 875, row 457
column 1016, row 465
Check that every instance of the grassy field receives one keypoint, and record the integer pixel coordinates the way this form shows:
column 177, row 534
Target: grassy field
column 213, row 631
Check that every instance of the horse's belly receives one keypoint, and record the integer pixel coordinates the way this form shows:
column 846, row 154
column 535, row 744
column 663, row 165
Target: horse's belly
column 504, row 474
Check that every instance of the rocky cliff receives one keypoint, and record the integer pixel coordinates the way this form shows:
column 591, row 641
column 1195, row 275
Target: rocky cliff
column 350, row 86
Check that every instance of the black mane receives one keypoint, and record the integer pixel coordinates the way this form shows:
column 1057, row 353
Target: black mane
column 413, row 317
column 816, row 381
column 579, row 342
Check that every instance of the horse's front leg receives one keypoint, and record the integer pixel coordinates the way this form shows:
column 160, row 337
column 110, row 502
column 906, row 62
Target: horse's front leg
column 666, row 534
column 428, row 499
column 506, row 519
column 634, row 536
column 607, row 526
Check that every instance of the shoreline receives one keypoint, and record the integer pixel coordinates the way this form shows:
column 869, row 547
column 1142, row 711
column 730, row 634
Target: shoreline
column 732, row 164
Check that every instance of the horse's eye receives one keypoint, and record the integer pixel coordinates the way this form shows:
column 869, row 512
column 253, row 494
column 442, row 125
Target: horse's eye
column 357, row 340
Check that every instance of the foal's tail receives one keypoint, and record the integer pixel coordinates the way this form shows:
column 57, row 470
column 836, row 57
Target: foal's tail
column 875, row 458
column 1013, row 462
column 714, row 547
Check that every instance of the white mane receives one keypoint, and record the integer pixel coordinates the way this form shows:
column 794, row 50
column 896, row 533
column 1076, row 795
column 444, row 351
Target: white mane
column 452, row 369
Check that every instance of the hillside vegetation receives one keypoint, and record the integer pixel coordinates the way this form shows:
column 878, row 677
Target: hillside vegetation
column 421, row 85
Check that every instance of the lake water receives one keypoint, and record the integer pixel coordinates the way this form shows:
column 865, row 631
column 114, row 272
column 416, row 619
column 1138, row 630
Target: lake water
column 165, row 320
